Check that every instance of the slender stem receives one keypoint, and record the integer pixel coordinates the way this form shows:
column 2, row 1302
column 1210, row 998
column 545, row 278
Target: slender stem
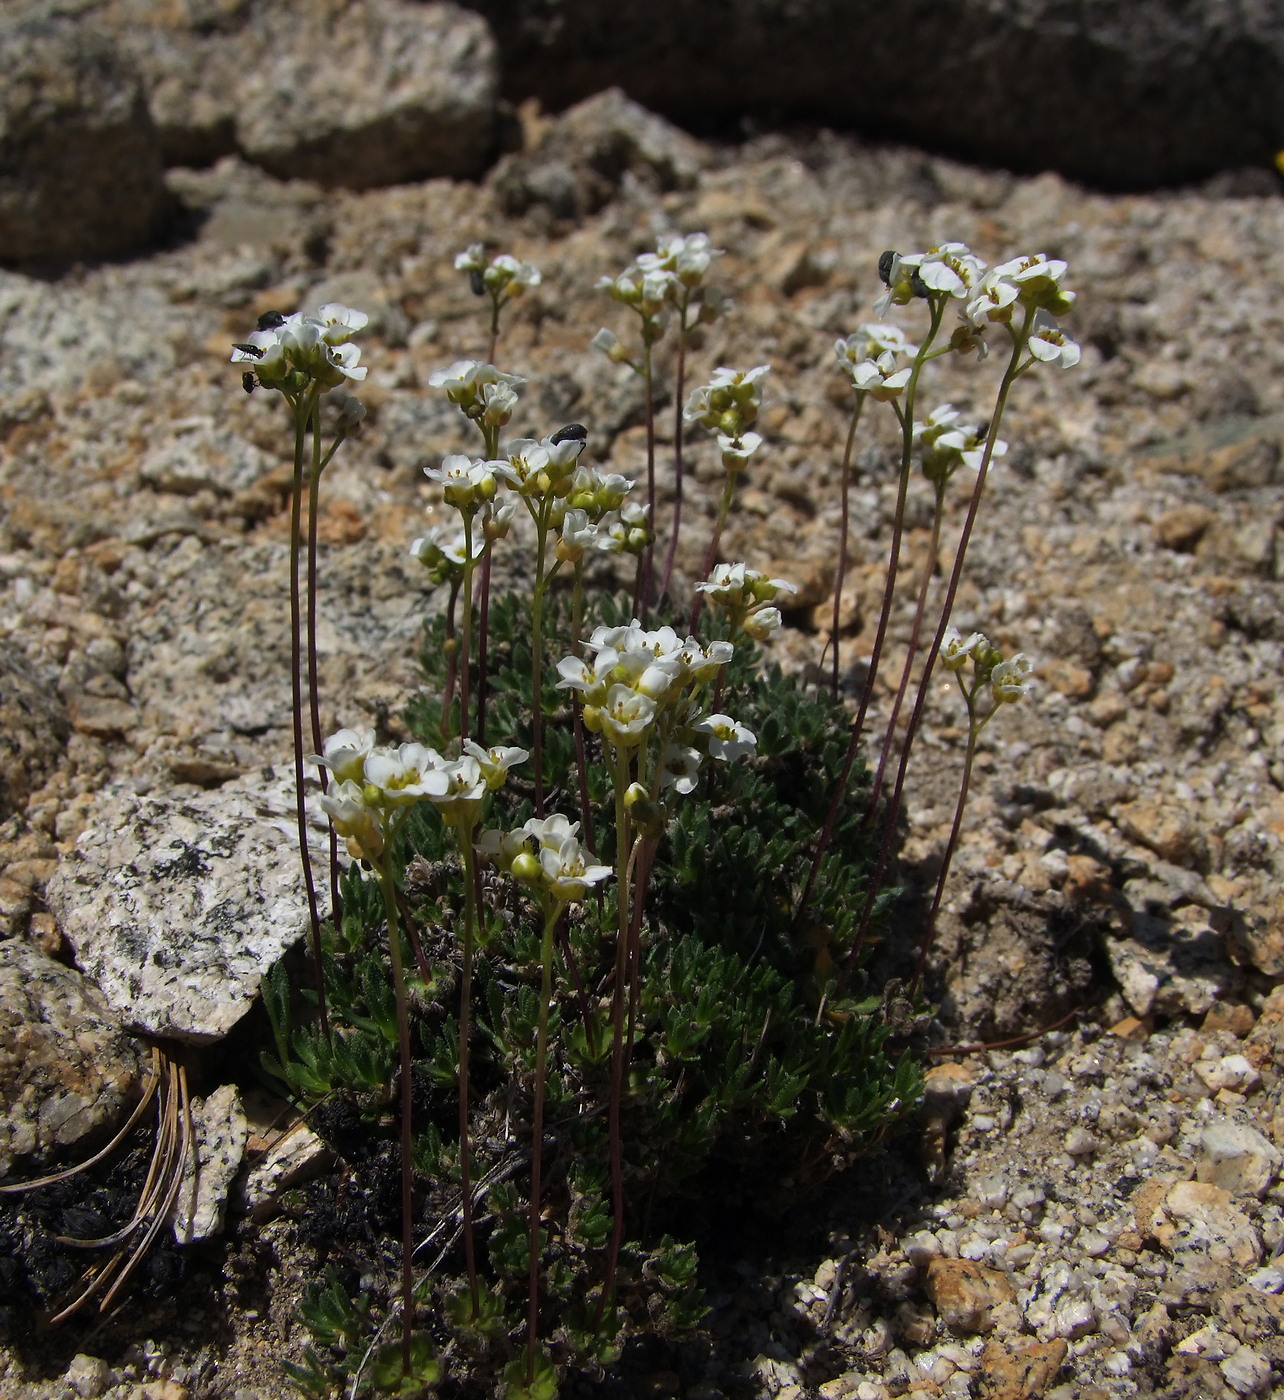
column 841, row 573
column 537, row 655
column 947, row 607
column 929, row 931
column 623, row 844
column 452, row 661
column 929, row 568
column 906, row 414
column 723, row 510
column 387, row 884
column 648, row 378
column 494, row 330
column 678, row 424
column 466, row 643
column 551, row 917
column 483, row 647
column 465, row 1019
column 302, row 415
column 577, row 721
column 314, row 687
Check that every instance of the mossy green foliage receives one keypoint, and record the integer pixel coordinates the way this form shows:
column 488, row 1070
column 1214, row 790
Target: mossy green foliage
column 743, row 1047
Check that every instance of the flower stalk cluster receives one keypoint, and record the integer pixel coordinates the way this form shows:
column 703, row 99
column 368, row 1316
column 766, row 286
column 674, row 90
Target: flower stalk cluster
column 1016, row 301
column 664, row 287
column 305, row 357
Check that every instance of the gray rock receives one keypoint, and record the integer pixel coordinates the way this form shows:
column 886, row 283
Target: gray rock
column 177, row 906
column 1032, row 84
column 579, row 162
column 1237, row 1158
column 67, row 1067
column 383, row 93
column 371, row 93
column 1171, row 966
column 80, row 163
column 33, row 730
column 297, row 1155
column 220, row 1128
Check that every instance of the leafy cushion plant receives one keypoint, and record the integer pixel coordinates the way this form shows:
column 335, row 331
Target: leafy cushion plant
column 737, row 1055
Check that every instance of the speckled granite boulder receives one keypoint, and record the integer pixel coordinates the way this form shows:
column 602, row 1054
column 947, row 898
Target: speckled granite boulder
column 178, row 905
column 67, row 1067
column 370, row 93
column 80, row 164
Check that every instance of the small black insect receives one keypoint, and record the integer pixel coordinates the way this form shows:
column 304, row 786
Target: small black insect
column 477, row 282
column 885, row 263
column 573, row 432
column 248, row 382
column 270, row 320
column 252, row 350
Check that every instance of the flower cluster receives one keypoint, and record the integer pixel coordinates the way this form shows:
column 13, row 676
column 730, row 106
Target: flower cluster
column 868, row 358
column 994, row 681
column 944, row 444
column 293, row 353
column 503, row 278
column 746, row 598
column 641, row 682
column 485, row 394
column 1024, row 292
column 374, row 784
column 547, row 856
column 728, row 406
column 657, row 284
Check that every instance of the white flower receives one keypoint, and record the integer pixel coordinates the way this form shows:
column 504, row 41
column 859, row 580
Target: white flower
column 353, row 819
column 340, row 323
column 1008, row 680
column 472, row 259
column 609, row 344
column 761, row 624
column 465, row 380
column 441, row 552
column 402, row 775
column 880, row 377
column 344, row 753
column 1051, row 344
column 680, row 767
column 567, row 867
column 624, row 718
column 466, row 482
column 736, row 451
column 956, row 650
column 498, row 402
column 457, row 790
column 702, row 663
column 495, row 762
column 884, row 335
column 725, row 738
column 578, row 533
column 526, row 467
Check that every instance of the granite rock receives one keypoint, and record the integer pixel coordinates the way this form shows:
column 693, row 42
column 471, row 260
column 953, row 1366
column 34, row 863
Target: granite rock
column 178, row 905
column 80, row 164
column 67, row 1066
column 220, row 1130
